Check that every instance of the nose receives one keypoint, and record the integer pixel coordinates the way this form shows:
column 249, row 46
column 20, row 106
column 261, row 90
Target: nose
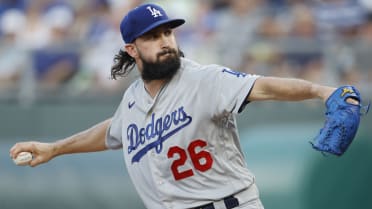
column 164, row 41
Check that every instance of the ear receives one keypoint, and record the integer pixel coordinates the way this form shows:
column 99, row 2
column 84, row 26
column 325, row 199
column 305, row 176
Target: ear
column 131, row 50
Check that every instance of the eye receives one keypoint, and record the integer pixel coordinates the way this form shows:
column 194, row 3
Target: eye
column 152, row 37
column 168, row 32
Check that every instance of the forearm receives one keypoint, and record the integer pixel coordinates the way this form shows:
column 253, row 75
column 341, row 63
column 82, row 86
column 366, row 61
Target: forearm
column 90, row 140
column 286, row 89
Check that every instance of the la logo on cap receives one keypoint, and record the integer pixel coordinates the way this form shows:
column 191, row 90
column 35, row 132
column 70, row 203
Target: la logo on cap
column 154, row 12
column 144, row 18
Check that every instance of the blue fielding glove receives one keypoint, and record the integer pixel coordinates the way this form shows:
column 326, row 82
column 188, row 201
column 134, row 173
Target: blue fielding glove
column 342, row 121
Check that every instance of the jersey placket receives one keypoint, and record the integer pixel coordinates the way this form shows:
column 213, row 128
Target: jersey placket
column 154, row 159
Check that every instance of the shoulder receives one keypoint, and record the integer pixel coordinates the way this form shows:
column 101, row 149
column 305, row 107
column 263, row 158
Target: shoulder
column 133, row 88
column 190, row 66
column 193, row 72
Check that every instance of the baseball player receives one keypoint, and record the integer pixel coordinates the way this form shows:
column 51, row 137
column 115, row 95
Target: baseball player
column 176, row 124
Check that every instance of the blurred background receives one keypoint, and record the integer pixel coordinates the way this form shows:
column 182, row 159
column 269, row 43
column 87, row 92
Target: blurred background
column 55, row 59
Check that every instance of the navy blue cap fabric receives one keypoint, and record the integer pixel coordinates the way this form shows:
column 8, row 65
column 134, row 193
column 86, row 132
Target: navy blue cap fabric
column 144, row 18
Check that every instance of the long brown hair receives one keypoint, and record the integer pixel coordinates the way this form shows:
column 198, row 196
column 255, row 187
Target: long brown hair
column 123, row 64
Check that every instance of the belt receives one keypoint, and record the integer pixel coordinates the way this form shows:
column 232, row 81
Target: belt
column 230, row 202
column 249, row 194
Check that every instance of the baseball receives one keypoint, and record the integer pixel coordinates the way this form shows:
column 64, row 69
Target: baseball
column 23, row 158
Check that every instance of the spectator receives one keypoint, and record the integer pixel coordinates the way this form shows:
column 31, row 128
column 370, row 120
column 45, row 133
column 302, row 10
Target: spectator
column 337, row 16
column 363, row 50
column 263, row 56
column 367, row 5
column 198, row 37
column 13, row 58
column 236, row 30
column 354, row 62
column 11, row 4
column 303, row 48
column 101, row 41
column 57, row 61
column 35, row 34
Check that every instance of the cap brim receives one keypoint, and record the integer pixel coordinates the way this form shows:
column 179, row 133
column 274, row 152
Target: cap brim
column 172, row 22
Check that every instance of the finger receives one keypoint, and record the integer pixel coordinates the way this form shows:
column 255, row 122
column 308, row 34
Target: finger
column 21, row 147
column 13, row 149
column 36, row 161
column 13, row 152
column 17, row 148
column 351, row 100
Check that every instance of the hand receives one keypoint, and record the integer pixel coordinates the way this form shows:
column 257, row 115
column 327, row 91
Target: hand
column 41, row 152
column 329, row 91
column 326, row 92
column 352, row 101
column 342, row 121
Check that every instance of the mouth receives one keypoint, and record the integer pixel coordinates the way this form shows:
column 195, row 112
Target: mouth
column 167, row 53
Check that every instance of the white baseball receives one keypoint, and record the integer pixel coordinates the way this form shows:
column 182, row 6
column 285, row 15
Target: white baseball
column 23, row 158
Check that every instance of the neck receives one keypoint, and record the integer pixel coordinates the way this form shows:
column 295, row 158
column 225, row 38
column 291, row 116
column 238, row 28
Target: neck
column 154, row 86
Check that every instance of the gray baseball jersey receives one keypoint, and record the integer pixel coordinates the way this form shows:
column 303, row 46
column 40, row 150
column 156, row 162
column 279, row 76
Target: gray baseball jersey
column 182, row 147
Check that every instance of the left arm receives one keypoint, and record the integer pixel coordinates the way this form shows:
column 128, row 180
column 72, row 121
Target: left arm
column 287, row 89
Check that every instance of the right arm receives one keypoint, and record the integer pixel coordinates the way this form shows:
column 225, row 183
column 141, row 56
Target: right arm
column 90, row 140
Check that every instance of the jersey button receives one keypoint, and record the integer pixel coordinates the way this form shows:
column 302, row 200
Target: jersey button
column 160, row 182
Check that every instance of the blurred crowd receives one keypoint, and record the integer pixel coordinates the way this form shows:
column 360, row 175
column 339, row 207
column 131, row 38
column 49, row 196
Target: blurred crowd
column 67, row 46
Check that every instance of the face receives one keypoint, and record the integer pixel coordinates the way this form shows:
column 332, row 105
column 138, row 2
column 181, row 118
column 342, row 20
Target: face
column 157, row 54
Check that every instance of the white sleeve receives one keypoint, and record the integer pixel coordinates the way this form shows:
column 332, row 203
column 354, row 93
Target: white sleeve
column 113, row 134
column 232, row 88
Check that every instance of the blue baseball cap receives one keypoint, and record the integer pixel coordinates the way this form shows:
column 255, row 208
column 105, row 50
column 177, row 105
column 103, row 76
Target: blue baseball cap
column 144, row 18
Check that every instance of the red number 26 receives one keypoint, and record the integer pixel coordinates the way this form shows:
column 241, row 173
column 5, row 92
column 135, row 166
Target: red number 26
column 202, row 160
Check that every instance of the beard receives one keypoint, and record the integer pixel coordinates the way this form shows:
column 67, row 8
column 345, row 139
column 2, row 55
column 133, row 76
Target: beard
column 162, row 70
